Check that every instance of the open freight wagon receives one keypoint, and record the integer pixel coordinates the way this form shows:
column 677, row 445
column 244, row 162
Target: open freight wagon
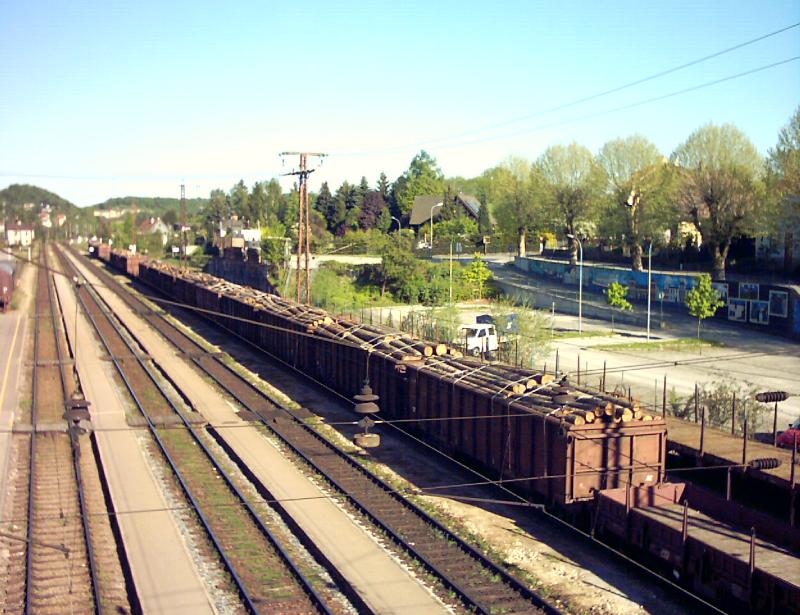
column 737, row 558
column 514, row 437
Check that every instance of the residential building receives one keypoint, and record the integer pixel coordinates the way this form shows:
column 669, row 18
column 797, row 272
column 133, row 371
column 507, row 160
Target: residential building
column 154, row 225
column 19, row 234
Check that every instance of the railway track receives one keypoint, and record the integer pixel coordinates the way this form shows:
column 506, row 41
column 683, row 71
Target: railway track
column 267, row 576
column 69, row 561
column 479, row 583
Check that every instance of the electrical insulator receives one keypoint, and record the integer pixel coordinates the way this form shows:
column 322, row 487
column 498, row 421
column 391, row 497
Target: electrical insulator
column 771, row 396
column 365, row 405
column 765, row 463
column 365, row 400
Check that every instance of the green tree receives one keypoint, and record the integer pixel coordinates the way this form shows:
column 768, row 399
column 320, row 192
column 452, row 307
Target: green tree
column 239, row 199
column 721, row 191
column 383, row 186
column 216, row 210
column 638, row 192
column 703, row 300
column 478, row 274
column 574, row 186
column 617, row 298
column 257, row 204
column 783, row 179
column 422, row 177
column 274, row 201
column 325, row 204
column 170, row 217
column 400, row 269
column 517, row 191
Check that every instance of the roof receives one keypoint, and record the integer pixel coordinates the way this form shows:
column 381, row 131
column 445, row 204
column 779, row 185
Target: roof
column 20, row 227
column 152, row 225
column 421, row 211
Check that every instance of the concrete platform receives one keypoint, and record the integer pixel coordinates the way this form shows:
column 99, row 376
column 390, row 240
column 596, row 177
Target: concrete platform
column 379, row 579
column 164, row 574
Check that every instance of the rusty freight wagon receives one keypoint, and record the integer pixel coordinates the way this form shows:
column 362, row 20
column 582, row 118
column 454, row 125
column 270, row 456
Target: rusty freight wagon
column 737, row 558
column 510, row 422
column 125, row 262
column 7, row 282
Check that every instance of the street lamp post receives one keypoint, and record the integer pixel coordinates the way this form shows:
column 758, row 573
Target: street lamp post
column 580, row 282
column 432, row 208
column 399, row 226
column 649, row 284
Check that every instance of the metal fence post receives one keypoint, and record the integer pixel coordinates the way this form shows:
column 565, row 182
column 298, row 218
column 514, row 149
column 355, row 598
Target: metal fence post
column 733, row 414
column 775, row 426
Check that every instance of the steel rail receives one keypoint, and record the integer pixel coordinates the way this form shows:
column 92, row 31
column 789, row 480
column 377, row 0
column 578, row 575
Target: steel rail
column 310, row 592
column 32, row 459
column 465, row 594
column 75, row 444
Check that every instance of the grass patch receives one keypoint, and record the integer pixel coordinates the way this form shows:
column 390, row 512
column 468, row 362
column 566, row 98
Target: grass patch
column 677, row 344
column 563, row 334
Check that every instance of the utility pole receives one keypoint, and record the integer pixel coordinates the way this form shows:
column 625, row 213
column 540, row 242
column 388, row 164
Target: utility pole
column 304, row 227
column 183, row 227
column 133, row 222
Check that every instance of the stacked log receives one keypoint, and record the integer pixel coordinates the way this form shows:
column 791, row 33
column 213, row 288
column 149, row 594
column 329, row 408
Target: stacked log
column 518, row 388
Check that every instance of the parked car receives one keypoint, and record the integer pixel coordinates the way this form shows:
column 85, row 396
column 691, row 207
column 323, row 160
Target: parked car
column 478, row 339
column 786, row 438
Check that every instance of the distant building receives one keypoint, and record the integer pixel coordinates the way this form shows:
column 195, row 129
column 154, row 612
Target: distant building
column 110, row 214
column 154, row 225
column 235, row 227
column 18, row 234
column 424, row 204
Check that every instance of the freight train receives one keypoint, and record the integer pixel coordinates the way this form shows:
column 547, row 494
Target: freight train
column 596, row 458
column 7, row 282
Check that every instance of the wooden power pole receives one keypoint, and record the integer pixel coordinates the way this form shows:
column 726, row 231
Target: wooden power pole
column 304, row 226
column 183, row 227
column 133, row 222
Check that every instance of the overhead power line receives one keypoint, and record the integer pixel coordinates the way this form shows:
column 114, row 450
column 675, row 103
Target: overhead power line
column 582, row 99
column 632, row 105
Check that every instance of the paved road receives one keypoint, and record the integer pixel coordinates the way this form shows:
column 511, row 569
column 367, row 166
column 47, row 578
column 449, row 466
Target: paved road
column 765, row 361
column 13, row 336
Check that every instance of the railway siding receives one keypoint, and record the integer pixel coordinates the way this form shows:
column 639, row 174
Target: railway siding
column 266, row 576
column 379, row 580
column 481, row 584
column 161, row 566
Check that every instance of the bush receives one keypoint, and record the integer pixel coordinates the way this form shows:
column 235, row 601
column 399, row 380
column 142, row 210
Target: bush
column 717, row 399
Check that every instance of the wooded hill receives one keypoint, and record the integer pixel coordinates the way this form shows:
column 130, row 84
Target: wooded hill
column 16, row 196
column 156, row 206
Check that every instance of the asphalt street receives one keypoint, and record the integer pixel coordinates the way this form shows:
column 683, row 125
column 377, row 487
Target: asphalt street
column 763, row 361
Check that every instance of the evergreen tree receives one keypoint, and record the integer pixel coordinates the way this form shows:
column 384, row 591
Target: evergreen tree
column 343, row 201
column 361, row 192
column 323, row 202
column 257, row 204
column 372, row 209
column 239, row 198
column 383, row 186
column 274, row 201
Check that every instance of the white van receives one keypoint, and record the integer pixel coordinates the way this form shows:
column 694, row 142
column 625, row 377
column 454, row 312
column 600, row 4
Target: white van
column 478, row 338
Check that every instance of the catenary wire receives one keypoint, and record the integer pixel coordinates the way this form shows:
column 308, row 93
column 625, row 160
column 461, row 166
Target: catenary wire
column 582, row 99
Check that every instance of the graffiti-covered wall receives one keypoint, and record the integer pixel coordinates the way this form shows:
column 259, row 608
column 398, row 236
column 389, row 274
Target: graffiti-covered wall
column 762, row 306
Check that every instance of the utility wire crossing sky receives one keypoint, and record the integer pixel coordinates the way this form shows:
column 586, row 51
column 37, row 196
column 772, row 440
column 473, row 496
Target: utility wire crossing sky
column 107, row 99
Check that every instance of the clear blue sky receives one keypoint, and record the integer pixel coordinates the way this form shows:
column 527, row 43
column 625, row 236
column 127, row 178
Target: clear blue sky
column 103, row 99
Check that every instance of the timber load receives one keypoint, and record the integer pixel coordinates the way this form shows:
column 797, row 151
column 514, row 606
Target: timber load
column 509, row 421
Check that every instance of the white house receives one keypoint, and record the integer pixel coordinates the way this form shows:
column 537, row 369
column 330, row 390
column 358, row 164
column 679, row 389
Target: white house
column 18, row 234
